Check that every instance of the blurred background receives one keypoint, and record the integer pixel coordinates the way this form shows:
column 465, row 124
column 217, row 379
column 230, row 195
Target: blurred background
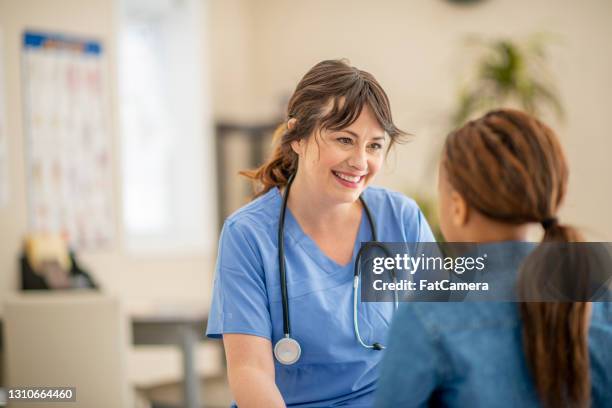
column 123, row 124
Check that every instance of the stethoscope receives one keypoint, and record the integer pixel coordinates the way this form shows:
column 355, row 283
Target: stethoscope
column 288, row 350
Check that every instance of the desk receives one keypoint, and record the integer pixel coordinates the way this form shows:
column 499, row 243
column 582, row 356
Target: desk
column 182, row 325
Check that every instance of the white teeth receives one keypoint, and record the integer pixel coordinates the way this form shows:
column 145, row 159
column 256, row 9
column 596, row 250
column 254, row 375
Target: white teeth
column 351, row 179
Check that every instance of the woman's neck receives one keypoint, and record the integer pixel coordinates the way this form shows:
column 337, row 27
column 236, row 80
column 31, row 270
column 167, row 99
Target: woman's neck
column 484, row 229
column 497, row 235
column 310, row 209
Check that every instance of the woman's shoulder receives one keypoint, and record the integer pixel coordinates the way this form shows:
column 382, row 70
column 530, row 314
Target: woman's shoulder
column 398, row 215
column 602, row 313
column 261, row 212
column 252, row 228
column 446, row 318
column 382, row 196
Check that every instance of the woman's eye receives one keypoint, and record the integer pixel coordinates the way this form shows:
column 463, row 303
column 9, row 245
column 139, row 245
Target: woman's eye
column 345, row 140
column 375, row 146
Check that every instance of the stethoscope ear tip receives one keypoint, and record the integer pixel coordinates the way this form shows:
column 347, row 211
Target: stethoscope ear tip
column 378, row 346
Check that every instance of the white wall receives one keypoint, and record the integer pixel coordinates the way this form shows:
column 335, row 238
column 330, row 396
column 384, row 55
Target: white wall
column 232, row 55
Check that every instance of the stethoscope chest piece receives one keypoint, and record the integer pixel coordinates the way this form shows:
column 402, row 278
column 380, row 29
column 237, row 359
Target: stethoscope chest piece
column 287, row 351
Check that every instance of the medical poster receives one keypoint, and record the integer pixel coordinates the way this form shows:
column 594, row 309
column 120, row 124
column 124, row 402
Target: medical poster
column 68, row 140
column 4, row 179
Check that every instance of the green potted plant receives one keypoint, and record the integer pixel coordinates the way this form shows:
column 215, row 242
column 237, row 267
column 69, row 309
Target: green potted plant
column 505, row 73
column 509, row 73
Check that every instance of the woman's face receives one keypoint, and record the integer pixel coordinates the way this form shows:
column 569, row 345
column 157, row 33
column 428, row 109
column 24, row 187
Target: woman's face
column 340, row 164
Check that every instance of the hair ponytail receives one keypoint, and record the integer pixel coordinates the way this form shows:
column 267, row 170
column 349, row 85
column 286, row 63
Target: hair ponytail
column 275, row 172
column 555, row 334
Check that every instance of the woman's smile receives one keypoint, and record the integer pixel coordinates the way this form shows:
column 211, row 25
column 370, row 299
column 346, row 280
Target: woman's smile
column 349, row 180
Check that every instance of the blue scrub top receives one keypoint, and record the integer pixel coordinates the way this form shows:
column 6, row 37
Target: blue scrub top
column 334, row 369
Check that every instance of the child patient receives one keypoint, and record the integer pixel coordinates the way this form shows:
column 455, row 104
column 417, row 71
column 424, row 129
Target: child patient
column 500, row 174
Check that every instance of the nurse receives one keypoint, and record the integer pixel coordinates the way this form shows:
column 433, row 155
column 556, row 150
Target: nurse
column 328, row 151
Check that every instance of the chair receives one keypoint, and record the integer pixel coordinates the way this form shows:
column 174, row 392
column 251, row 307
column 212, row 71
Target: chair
column 68, row 339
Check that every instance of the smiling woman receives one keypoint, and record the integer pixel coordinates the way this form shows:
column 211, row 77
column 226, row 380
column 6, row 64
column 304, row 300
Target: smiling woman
column 284, row 273
column 340, row 163
column 329, row 100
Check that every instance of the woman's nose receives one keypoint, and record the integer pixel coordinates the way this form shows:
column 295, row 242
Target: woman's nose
column 358, row 159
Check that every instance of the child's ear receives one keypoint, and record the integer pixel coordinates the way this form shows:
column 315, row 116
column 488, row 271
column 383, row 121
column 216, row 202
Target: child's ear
column 460, row 211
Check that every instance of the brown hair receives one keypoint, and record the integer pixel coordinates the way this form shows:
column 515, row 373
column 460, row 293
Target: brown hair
column 510, row 167
column 348, row 89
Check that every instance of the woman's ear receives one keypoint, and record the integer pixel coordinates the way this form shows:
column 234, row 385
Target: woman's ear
column 459, row 209
column 297, row 146
column 291, row 123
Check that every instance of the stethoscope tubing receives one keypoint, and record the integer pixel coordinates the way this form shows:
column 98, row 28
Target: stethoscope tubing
column 357, row 272
column 357, row 275
column 281, row 261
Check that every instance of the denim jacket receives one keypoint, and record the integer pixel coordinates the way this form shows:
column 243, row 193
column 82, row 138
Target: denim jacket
column 471, row 355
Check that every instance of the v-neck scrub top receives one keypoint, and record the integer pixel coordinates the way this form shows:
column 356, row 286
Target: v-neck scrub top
column 334, row 369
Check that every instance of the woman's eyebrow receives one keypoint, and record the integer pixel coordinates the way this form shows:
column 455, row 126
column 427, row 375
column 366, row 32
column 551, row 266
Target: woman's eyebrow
column 382, row 137
column 350, row 132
